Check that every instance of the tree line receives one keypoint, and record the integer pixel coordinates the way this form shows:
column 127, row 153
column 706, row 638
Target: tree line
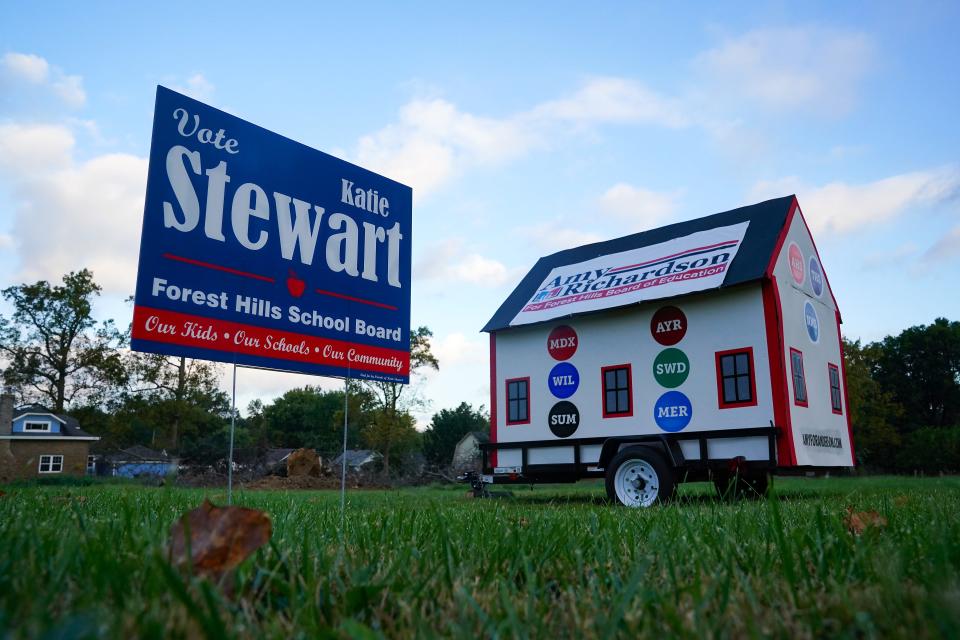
column 55, row 354
column 904, row 393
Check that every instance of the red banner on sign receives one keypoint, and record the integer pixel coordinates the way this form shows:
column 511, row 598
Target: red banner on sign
column 184, row 329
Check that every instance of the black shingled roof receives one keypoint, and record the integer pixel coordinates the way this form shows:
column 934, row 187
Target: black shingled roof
column 766, row 222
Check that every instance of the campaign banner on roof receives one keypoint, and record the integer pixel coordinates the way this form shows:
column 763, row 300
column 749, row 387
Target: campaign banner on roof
column 262, row 251
column 683, row 265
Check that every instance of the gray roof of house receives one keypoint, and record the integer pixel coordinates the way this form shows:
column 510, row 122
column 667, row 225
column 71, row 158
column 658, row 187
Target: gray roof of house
column 355, row 457
column 69, row 427
column 766, row 219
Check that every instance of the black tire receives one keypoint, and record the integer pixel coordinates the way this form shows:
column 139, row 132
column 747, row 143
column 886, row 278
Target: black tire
column 753, row 485
column 638, row 463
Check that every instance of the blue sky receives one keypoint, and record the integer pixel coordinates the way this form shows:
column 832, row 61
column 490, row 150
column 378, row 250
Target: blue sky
column 523, row 129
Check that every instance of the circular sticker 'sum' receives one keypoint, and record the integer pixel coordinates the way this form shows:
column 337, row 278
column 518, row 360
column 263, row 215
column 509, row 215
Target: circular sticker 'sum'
column 564, row 418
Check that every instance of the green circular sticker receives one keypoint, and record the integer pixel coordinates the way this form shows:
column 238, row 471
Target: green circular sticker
column 671, row 368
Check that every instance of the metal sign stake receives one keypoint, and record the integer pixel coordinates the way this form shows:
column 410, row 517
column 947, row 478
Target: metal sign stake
column 233, row 424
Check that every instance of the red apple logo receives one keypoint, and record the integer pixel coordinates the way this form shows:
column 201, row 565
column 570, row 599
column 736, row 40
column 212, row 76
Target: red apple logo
column 295, row 285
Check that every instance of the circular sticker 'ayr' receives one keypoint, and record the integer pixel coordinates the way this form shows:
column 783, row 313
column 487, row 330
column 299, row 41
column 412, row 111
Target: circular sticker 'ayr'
column 673, row 411
column 564, row 380
column 797, row 268
column 562, row 343
column 564, row 419
column 668, row 326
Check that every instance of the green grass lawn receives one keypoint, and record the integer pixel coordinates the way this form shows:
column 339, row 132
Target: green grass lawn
column 552, row 562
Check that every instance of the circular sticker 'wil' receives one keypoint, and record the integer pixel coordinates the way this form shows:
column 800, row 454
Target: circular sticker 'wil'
column 564, row 380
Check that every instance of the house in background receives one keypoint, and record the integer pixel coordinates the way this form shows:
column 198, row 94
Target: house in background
column 138, row 462
column 357, row 459
column 466, row 455
column 34, row 442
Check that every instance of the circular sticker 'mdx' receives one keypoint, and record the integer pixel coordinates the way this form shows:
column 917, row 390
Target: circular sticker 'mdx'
column 564, row 418
column 668, row 326
column 562, row 343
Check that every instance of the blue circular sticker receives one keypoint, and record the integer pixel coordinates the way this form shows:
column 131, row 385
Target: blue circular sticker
column 564, row 380
column 812, row 322
column 673, row 411
column 816, row 276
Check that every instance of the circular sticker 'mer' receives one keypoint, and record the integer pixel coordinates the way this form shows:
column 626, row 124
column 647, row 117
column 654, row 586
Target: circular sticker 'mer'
column 671, row 368
column 673, row 411
column 562, row 343
column 812, row 321
column 668, row 326
column 564, row 380
column 797, row 269
column 564, row 419
column 816, row 276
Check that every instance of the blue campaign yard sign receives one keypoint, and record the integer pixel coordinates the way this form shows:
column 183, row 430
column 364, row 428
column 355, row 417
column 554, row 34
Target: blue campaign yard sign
column 262, row 251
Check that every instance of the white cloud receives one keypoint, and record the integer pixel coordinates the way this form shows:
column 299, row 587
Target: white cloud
column 796, row 68
column 455, row 349
column 69, row 214
column 550, row 237
column 196, row 86
column 31, row 69
column 946, row 248
column 841, row 207
column 434, row 141
column 449, row 262
column 640, row 208
column 26, row 66
column 612, row 100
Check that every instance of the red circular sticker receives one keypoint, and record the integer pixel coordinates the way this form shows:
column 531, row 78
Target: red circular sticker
column 797, row 267
column 562, row 342
column 668, row 326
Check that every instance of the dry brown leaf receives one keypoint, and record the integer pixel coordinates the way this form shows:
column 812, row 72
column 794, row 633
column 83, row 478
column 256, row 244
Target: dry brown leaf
column 859, row 521
column 901, row 501
column 220, row 537
column 524, row 522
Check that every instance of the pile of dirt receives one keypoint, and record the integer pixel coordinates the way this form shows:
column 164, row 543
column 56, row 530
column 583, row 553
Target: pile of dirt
column 309, row 482
column 296, row 482
column 304, row 463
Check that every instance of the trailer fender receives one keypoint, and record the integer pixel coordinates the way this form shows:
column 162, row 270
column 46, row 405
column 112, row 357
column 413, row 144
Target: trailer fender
column 614, row 445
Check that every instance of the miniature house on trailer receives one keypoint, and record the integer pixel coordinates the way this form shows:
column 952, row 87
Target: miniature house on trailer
column 704, row 349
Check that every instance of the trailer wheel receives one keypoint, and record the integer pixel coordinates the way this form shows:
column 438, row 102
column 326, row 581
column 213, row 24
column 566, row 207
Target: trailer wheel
column 639, row 477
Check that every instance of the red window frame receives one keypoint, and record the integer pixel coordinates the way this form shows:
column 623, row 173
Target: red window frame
column 603, row 389
column 793, row 375
column 834, row 368
column 753, row 379
column 506, row 397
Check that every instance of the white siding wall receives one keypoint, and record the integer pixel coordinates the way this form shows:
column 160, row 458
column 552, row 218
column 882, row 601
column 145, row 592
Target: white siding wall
column 817, row 418
column 717, row 321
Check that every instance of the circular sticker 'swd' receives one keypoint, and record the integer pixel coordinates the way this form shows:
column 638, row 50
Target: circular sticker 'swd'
column 816, row 276
column 812, row 321
column 564, row 419
column 797, row 268
column 562, row 343
column 564, row 380
column 672, row 412
column 671, row 368
column 668, row 326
